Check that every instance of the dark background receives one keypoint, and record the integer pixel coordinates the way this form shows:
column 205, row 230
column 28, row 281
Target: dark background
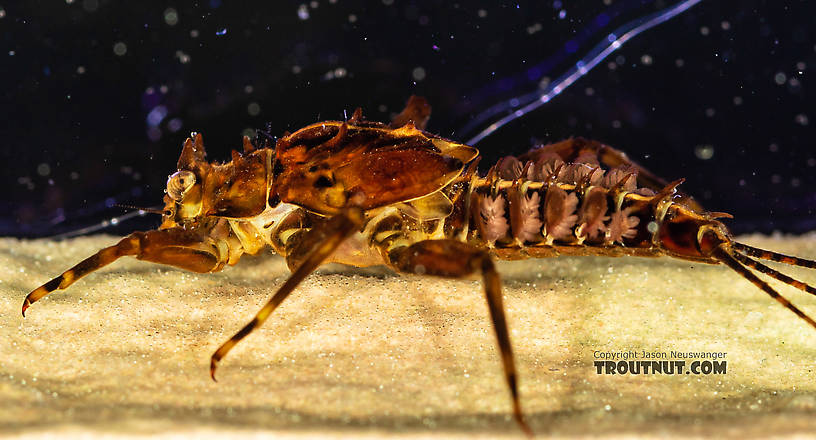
column 84, row 127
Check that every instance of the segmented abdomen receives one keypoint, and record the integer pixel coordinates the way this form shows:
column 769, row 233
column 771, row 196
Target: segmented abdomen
column 549, row 202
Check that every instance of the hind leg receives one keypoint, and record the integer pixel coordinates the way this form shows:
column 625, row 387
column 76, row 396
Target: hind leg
column 454, row 259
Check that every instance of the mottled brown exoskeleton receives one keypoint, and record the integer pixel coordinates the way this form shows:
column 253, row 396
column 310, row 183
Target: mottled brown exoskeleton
column 367, row 193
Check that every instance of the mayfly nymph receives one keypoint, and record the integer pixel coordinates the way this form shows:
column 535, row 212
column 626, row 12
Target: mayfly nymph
column 366, row 193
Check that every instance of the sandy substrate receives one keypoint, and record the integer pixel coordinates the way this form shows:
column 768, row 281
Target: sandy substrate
column 366, row 353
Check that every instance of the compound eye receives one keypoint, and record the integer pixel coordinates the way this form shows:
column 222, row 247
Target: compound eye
column 179, row 184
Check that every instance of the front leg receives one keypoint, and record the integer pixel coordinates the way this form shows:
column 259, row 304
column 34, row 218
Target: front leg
column 454, row 259
column 188, row 249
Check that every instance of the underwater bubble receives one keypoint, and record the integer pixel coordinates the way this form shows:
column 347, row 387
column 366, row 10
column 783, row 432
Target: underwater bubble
column 780, row 78
column 156, row 115
column 182, row 57
column 120, row 48
column 170, row 16
column 303, row 12
column 704, row 152
column 43, row 169
column 2, row 13
column 253, row 109
column 801, row 119
column 418, row 73
column 174, row 125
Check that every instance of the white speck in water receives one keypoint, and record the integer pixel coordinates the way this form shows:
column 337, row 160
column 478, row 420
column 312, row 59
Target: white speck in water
column 780, row 78
column 801, row 119
column 737, row 100
column 704, row 152
column 174, row 125
column 170, row 16
column 253, row 109
column 221, row 32
column 418, row 73
column 182, row 57
column 43, row 169
column 2, row 13
column 646, row 59
column 352, row 18
column 608, row 407
column 652, row 227
column 303, row 12
column 120, row 48
column 80, row 70
column 481, row 13
column 704, row 30
column 562, row 14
